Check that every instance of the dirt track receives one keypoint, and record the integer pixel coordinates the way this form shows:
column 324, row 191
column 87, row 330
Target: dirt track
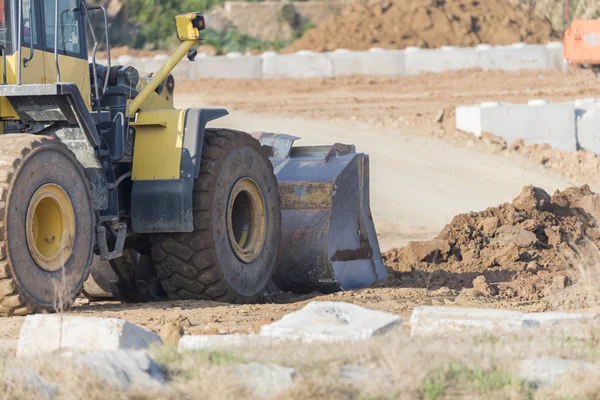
column 422, row 172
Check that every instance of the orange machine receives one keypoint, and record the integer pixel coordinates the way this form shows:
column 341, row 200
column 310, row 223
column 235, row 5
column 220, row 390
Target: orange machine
column 582, row 43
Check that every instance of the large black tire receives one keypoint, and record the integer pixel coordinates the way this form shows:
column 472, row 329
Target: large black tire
column 211, row 263
column 30, row 167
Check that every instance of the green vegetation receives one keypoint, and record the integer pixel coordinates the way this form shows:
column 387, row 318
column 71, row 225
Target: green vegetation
column 482, row 382
column 155, row 18
column 229, row 41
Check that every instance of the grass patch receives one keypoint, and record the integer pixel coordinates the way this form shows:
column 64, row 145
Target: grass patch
column 472, row 380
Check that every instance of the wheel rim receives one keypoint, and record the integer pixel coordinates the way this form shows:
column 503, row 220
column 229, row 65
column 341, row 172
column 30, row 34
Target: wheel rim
column 246, row 220
column 50, row 227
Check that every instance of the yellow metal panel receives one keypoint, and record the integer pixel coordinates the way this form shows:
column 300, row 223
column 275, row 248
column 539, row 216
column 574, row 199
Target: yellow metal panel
column 185, row 27
column 157, row 148
column 33, row 73
column 73, row 70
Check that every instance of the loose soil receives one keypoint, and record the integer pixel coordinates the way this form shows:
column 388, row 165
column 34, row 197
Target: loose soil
column 397, row 24
column 529, row 250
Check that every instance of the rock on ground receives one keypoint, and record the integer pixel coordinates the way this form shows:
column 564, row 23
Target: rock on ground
column 48, row 333
column 124, row 369
column 331, row 321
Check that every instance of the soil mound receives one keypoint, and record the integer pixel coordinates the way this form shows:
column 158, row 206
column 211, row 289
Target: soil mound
column 396, row 24
column 526, row 250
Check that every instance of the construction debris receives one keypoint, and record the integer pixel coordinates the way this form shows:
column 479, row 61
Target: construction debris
column 529, row 249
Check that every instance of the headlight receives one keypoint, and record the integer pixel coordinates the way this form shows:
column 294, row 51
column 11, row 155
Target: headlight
column 170, row 84
column 132, row 76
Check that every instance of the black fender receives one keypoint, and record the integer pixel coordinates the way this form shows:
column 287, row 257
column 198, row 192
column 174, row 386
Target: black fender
column 165, row 206
column 193, row 138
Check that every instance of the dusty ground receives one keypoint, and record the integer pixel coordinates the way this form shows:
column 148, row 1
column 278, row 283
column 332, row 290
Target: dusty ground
column 423, row 174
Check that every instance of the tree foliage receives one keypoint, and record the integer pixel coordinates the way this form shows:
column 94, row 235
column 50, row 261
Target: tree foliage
column 156, row 18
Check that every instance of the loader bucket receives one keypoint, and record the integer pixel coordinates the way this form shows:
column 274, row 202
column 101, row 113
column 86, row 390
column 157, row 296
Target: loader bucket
column 328, row 237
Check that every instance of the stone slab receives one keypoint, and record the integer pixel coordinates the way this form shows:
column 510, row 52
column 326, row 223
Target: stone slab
column 515, row 57
column 444, row 321
column 304, row 64
column 232, row 66
column 563, row 324
column 535, row 123
column 588, row 124
column 124, row 369
column 418, row 61
column 52, row 333
column 331, row 322
column 372, row 62
column 556, row 52
column 206, row 342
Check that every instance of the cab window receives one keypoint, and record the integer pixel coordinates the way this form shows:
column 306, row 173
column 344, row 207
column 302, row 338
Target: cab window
column 69, row 30
column 30, row 29
column 5, row 36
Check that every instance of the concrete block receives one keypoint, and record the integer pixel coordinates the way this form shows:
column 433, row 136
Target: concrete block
column 50, row 333
column 439, row 60
column 203, row 342
column 556, row 52
column 538, row 123
column 563, row 324
column 588, row 124
column 515, row 57
column 444, row 321
column 372, row 62
column 304, row 64
column 331, row 322
column 231, row 66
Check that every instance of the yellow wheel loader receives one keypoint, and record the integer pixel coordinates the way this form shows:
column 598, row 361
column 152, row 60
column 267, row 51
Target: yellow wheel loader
column 98, row 167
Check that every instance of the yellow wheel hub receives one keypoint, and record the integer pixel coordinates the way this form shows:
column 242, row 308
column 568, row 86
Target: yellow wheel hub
column 50, row 227
column 246, row 220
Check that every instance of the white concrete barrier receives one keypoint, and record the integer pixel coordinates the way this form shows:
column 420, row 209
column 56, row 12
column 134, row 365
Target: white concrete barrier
column 307, row 64
column 50, row 333
column 518, row 56
column 211, row 342
column 444, row 321
column 556, row 52
column 587, row 112
column 304, row 64
column 372, row 62
column 538, row 122
column 447, row 58
column 231, row 66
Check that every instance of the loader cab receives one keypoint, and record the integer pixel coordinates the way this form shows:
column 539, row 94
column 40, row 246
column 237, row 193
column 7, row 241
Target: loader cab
column 34, row 46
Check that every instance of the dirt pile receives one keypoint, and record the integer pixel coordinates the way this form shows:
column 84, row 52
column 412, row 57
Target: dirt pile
column 526, row 250
column 397, row 24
